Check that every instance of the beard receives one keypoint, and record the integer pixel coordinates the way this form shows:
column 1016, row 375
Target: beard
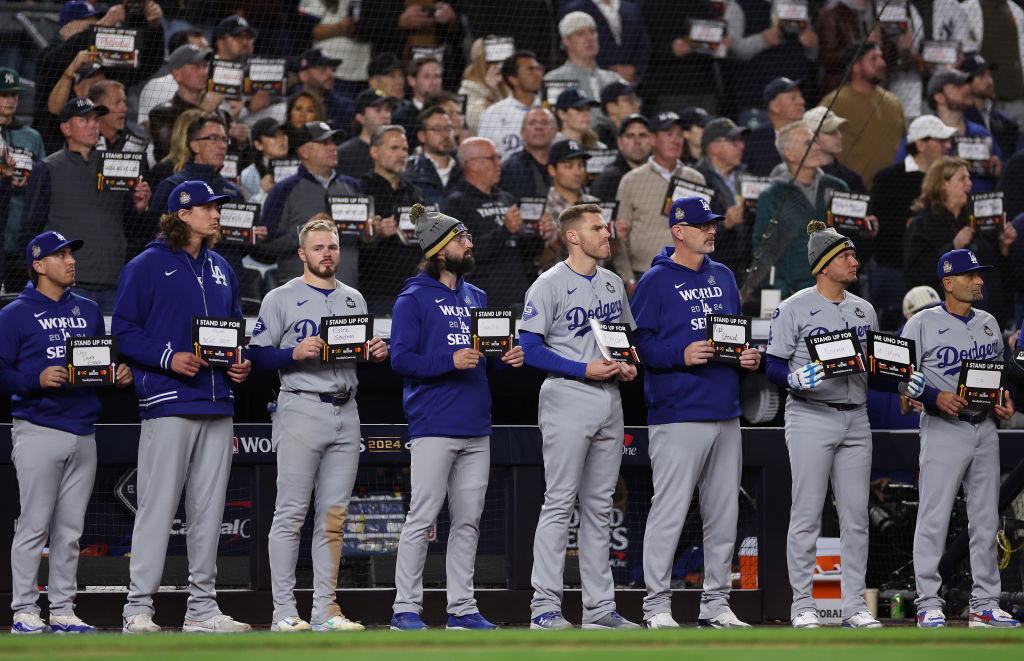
column 323, row 270
column 460, row 266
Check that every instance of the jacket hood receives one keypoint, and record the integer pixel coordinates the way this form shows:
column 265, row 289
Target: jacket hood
column 421, row 279
column 665, row 259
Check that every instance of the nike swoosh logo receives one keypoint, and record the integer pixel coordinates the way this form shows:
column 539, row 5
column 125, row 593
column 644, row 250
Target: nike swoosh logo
column 573, row 291
column 438, row 300
column 815, row 312
column 681, row 284
column 943, row 331
column 301, row 303
column 40, row 314
column 170, row 272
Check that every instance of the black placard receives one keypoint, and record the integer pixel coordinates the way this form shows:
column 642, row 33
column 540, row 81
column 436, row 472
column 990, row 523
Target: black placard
column 610, row 211
column 119, row 171
column 498, row 49
column 230, row 168
column 282, row 168
column 846, row 211
column 976, row 151
column 615, row 341
column 115, row 47
column 407, row 228
column 531, row 208
column 729, row 336
column 599, row 160
column 92, row 361
column 346, row 338
column 940, row 54
column 839, row 353
column 751, row 188
column 890, row 355
column 218, row 340
column 679, row 188
column 552, row 88
column 352, row 214
column 227, row 78
column 981, row 383
column 493, row 330
column 706, row 36
column 894, row 17
column 265, row 74
column 237, row 220
column 987, row 211
column 23, row 161
column 792, row 15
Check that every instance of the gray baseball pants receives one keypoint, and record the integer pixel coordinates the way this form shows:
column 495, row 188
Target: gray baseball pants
column 581, row 424
column 954, row 453
column 461, row 468
column 317, row 447
column 56, row 470
column 685, row 455
column 827, row 443
column 175, row 452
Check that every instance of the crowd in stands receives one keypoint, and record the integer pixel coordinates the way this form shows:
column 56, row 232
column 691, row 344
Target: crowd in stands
column 503, row 114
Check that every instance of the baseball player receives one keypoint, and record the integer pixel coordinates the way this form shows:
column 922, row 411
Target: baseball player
column 185, row 405
column 582, row 453
column 54, row 445
column 315, row 427
column 955, row 448
column 827, row 430
column 448, row 406
column 693, row 412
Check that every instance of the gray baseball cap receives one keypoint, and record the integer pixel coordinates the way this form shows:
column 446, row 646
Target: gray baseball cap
column 188, row 54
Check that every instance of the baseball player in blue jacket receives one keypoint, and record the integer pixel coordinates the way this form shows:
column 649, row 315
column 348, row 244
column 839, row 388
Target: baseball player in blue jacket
column 580, row 415
column 694, row 438
column 957, row 448
column 185, row 405
column 54, row 443
column 448, row 406
column 316, row 425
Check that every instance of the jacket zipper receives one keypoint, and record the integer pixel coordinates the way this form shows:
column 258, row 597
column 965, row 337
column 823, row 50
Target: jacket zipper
column 206, row 311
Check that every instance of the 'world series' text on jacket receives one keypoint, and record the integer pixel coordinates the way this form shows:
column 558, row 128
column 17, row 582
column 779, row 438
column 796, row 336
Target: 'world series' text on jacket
column 669, row 305
column 33, row 334
column 430, row 323
column 157, row 295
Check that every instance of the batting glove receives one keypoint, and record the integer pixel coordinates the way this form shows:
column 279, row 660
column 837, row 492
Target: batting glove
column 807, row 377
column 913, row 388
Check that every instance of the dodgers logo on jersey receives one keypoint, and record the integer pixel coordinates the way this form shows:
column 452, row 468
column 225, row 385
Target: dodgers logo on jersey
column 579, row 317
column 949, row 358
column 305, row 328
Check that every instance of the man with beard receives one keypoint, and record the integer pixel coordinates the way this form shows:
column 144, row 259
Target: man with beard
column 870, row 110
column 694, row 438
column 316, row 426
column 435, row 171
column 958, row 445
column 634, row 143
column 949, row 95
column 448, row 406
column 582, row 453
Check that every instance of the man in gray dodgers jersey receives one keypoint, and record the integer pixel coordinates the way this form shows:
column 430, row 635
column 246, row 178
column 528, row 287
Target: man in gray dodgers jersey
column 580, row 416
column 957, row 449
column 316, row 425
column 827, row 430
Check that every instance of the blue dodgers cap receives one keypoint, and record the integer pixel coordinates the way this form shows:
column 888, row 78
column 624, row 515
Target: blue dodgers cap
column 692, row 211
column 48, row 243
column 959, row 261
column 75, row 10
column 189, row 194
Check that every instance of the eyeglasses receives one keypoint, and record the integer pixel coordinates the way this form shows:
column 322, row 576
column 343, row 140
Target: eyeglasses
column 465, row 237
column 440, row 129
column 702, row 227
column 216, row 138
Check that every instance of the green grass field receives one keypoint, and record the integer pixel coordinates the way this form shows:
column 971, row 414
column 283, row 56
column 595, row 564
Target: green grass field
column 955, row 644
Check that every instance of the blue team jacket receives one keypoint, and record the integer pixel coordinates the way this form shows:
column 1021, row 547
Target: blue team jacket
column 158, row 293
column 33, row 332
column 430, row 323
column 669, row 305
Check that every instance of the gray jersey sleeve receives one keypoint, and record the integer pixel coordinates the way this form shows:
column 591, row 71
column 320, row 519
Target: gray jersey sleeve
column 270, row 325
column 782, row 333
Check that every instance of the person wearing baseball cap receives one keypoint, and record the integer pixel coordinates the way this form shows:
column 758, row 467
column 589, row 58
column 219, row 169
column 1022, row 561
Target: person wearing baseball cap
column 830, row 139
column 372, row 110
column 690, row 398
column 189, row 66
column 722, row 143
column 574, row 111
column 578, row 32
column 634, row 147
column 959, row 441
column 385, row 73
column 618, row 101
column 919, row 298
column 185, row 402
column 567, row 166
column 234, row 38
column 317, row 76
column 447, row 403
column 271, row 141
column 785, row 103
column 53, row 436
column 1005, row 130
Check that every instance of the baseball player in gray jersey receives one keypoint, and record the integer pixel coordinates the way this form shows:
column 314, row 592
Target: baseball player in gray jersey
column 955, row 447
column 582, row 453
column 827, row 430
column 316, row 425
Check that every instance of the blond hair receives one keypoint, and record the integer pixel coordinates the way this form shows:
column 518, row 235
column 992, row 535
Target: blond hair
column 321, row 222
column 477, row 69
column 933, row 193
column 179, row 153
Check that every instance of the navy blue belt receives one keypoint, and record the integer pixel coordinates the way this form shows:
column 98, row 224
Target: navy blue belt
column 334, row 399
column 834, row 405
column 590, row 382
column 973, row 419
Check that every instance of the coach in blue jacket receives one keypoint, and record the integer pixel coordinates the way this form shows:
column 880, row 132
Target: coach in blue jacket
column 185, row 405
column 693, row 412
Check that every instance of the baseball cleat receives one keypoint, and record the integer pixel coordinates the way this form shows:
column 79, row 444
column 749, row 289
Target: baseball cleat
column 550, row 620
column 471, row 622
column 861, row 620
column 28, row 623
column 338, row 623
column 290, row 624
column 407, row 622
column 69, row 624
column 661, row 621
column 139, row 623
column 806, row 620
column 725, row 620
column 932, row 619
column 612, row 621
column 220, row 623
column 993, row 618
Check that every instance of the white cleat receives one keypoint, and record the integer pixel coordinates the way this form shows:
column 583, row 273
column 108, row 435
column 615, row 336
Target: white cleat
column 28, row 623
column 338, row 623
column 861, row 620
column 806, row 620
column 661, row 621
column 217, row 624
column 140, row 623
column 725, row 620
column 290, row 624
